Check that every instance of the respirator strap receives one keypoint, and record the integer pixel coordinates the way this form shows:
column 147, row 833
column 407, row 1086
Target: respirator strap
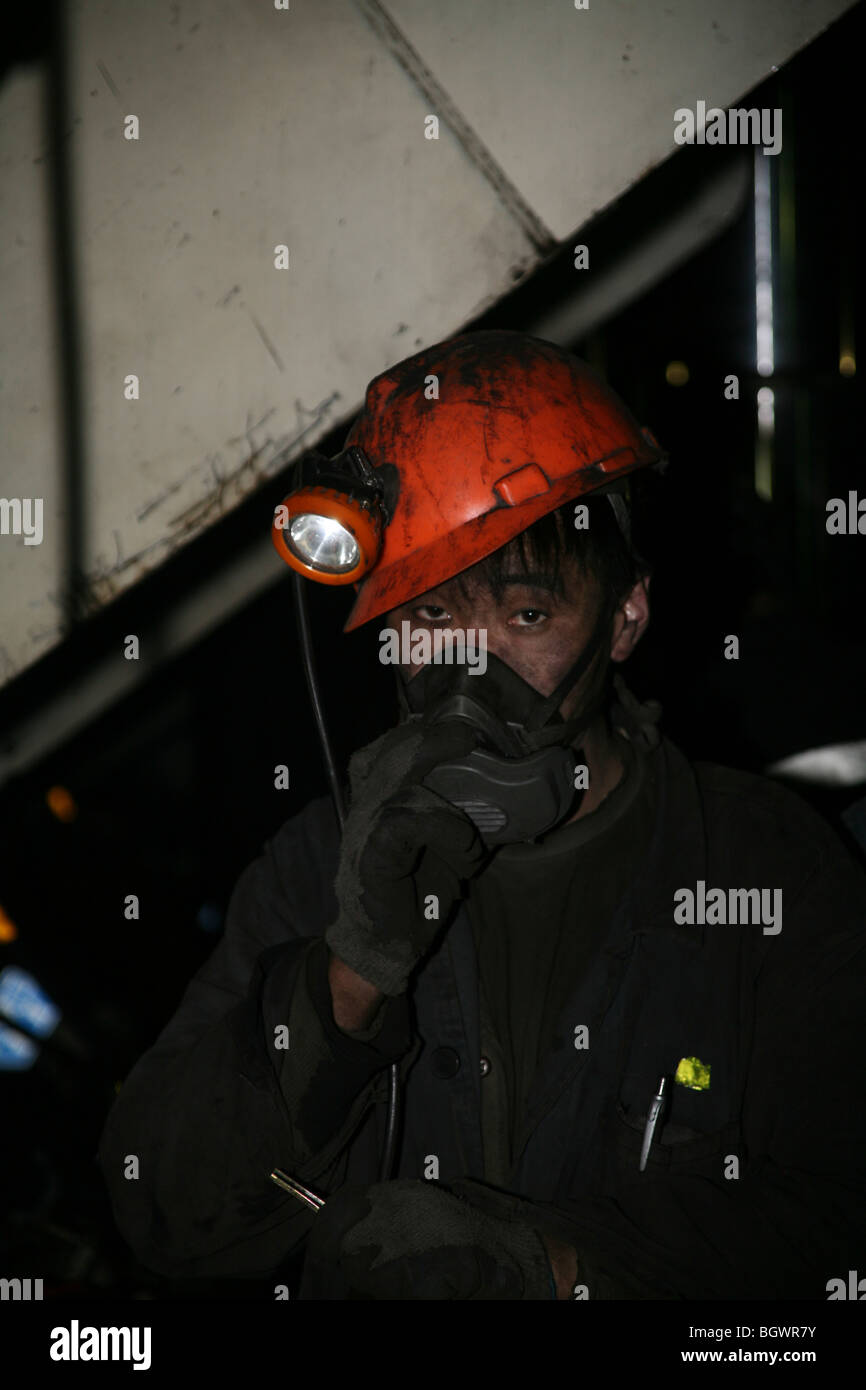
column 567, row 732
column 548, row 707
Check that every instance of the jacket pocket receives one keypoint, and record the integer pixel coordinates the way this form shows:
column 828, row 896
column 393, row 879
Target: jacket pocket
column 676, row 1148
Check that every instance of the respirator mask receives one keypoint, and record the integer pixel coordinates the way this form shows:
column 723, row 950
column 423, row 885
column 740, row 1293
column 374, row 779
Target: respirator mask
column 521, row 780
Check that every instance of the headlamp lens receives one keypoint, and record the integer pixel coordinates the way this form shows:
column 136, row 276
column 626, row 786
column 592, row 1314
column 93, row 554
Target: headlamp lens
column 323, row 543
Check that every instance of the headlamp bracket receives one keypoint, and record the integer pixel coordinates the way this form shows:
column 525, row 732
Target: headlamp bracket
column 352, row 473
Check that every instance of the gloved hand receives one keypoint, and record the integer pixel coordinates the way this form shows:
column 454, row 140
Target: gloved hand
column 414, row 1239
column 401, row 844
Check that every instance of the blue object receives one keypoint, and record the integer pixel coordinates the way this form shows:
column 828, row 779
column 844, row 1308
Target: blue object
column 17, row 1053
column 24, row 1001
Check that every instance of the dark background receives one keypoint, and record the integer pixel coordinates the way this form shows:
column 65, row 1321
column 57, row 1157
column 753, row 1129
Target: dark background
column 174, row 786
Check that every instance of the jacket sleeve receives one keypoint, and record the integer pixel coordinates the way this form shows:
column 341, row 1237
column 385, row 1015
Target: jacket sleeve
column 795, row 1219
column 219, row 1100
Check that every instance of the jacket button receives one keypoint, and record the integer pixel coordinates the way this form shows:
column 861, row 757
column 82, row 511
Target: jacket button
column 485, row 1065
column 446, row 1063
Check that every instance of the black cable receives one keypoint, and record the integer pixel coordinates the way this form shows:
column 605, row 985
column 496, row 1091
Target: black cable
column 387, row 1164
column 302, row 618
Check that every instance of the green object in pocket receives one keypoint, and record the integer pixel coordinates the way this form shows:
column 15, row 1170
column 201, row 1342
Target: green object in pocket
column 692, row 1072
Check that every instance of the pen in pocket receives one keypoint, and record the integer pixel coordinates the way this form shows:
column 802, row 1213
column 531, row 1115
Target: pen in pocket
column 655, row 1110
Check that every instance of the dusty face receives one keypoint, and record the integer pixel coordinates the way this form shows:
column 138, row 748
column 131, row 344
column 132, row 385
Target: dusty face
column 534, row 629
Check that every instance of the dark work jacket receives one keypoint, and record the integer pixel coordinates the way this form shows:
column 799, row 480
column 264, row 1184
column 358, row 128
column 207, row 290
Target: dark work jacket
column 754, row 1187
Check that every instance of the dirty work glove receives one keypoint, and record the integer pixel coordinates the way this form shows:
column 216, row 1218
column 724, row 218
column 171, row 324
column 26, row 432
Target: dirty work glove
column 414, row 1239
column 402, row 843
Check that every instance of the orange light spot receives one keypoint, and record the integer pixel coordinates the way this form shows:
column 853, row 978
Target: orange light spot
column 8, row 929
column 61, row 804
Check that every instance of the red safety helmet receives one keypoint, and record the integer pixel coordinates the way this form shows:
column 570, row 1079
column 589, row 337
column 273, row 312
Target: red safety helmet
column 458, row 449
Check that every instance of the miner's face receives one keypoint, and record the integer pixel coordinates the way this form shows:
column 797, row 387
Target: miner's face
column 536, row 626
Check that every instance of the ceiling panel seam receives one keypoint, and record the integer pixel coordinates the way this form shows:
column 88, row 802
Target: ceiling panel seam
column 442, row 105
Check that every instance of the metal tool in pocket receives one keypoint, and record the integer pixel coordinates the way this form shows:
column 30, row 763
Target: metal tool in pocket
column 297, row 1189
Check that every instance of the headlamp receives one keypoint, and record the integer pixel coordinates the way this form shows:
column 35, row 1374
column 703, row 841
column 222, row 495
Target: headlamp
column 330, row 525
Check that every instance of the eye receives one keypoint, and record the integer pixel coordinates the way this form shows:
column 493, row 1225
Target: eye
column 429, row 613
column 529, row 617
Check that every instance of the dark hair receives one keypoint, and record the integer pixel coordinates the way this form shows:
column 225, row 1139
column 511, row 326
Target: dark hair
column 600, row 550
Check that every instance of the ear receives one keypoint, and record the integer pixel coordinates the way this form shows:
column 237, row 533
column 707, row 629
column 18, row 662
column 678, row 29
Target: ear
column 630, row 621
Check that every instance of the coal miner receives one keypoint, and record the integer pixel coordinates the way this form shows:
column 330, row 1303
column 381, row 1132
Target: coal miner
column 555, row 1013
